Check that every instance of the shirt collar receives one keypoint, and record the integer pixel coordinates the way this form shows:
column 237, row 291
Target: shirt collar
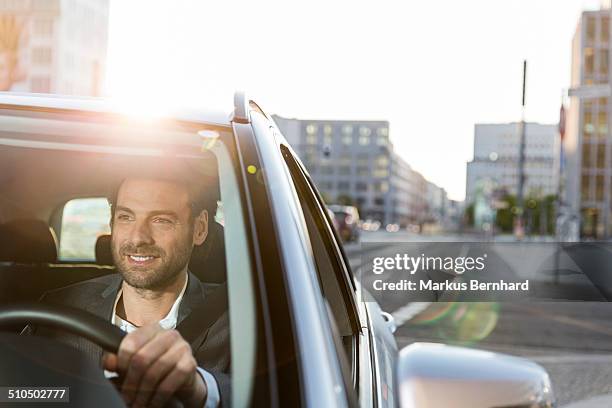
column 168, row 322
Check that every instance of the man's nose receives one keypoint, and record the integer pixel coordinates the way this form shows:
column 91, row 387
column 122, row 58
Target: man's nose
column 141, row 234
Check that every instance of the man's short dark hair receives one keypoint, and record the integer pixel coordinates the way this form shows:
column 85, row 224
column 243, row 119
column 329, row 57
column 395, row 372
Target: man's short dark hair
column 201, row 197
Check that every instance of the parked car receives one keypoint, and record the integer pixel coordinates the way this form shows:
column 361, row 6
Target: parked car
column 301, row 330
column 348, row 222
column 370, row 225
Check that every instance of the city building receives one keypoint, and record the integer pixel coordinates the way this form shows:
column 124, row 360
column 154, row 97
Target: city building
column 454, row 216
column 53, row 46
column 437, row 203
column 354, row 162
column 495, row 165
column 587, row 143
column 408, row 193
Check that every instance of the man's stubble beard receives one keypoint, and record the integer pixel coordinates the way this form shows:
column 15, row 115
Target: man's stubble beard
column 158, row 276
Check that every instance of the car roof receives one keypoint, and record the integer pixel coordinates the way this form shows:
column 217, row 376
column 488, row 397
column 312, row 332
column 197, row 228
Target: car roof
column 70, row 104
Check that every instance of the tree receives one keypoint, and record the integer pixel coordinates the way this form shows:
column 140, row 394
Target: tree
column 344, row 199
column 469, row 215
column 535, row 209
column 505, row 216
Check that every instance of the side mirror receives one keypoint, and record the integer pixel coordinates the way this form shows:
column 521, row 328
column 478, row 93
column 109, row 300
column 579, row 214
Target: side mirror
column 435, row 375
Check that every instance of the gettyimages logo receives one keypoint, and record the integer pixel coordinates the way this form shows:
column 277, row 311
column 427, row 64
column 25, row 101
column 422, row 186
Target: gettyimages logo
column 488, row 271
column 413, row 264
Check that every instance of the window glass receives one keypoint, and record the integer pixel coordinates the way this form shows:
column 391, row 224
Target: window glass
column 347, row 130
column 586, row 155
column 381, row 172
column 344, row 185
column 590, row 28
column 365, row 131
column 173, row 174
column 364, row 140
column 599, row 187
column 363, row 159
column 345, row 160
column 363, row 170
column 41, row 56
column 83, row 221
column 43, row 28
column 585, row 187
column 311, row 129
column 602, row 122
column 336, row 283
column 327, row 169
column 589, row 63
column 344, row 170
column 41, row 84
column 601, row 155
column 603, row 62
column 588, row 122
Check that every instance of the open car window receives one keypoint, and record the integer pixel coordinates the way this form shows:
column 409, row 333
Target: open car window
column 59, row 181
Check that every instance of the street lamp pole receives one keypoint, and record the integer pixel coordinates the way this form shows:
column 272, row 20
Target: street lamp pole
column 558, row 213
column 519, row 223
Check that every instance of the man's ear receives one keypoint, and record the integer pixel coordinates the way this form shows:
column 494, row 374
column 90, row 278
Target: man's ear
column 200, row 230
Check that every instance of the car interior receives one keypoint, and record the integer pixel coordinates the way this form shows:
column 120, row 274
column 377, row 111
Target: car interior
column 37, row 182
column 55, row 180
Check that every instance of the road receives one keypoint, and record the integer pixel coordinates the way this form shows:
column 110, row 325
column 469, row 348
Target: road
column 572, row 340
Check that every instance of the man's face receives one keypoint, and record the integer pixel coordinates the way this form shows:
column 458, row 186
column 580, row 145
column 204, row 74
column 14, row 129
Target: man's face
column 153, row 232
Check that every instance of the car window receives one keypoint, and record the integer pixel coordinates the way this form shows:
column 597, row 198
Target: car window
column 44, row 229
column 332, row 273
column 83, row 221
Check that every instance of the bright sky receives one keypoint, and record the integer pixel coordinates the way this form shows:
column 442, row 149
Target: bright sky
column 431, row 68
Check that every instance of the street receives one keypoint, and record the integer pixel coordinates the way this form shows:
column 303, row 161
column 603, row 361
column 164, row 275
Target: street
column 572, row 340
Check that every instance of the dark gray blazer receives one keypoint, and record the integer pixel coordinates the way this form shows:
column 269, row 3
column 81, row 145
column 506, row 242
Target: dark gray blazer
column 97, row 296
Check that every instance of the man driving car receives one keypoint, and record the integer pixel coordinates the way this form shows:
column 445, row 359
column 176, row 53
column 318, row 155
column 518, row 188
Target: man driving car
column 155, row 224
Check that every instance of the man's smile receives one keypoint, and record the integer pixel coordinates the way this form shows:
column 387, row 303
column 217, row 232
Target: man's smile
column 140, row 259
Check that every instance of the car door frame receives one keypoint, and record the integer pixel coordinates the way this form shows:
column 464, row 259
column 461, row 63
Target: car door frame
column 321, row 381
column 364, row 361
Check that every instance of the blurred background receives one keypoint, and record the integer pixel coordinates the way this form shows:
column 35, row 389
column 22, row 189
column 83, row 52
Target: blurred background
column 419, row 121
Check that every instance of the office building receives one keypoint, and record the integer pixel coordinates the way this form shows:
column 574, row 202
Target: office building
column 53, row 46
column 354, row 161
column 587, row 143
column 496, row 160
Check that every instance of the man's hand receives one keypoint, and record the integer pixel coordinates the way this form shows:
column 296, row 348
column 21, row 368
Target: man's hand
column 155, row 365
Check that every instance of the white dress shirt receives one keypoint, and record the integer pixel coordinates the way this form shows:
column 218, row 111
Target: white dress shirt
column 169, row 323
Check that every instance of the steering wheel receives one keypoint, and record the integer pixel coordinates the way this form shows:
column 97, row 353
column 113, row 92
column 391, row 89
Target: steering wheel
column 74, row 321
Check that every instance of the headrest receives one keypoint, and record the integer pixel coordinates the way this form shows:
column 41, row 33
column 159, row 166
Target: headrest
column 208, row 260
column 104, row 255
column 27, row 241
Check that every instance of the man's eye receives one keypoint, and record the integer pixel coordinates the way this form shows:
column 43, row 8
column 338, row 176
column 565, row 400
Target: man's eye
column 162, row 220
column 123, row 217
